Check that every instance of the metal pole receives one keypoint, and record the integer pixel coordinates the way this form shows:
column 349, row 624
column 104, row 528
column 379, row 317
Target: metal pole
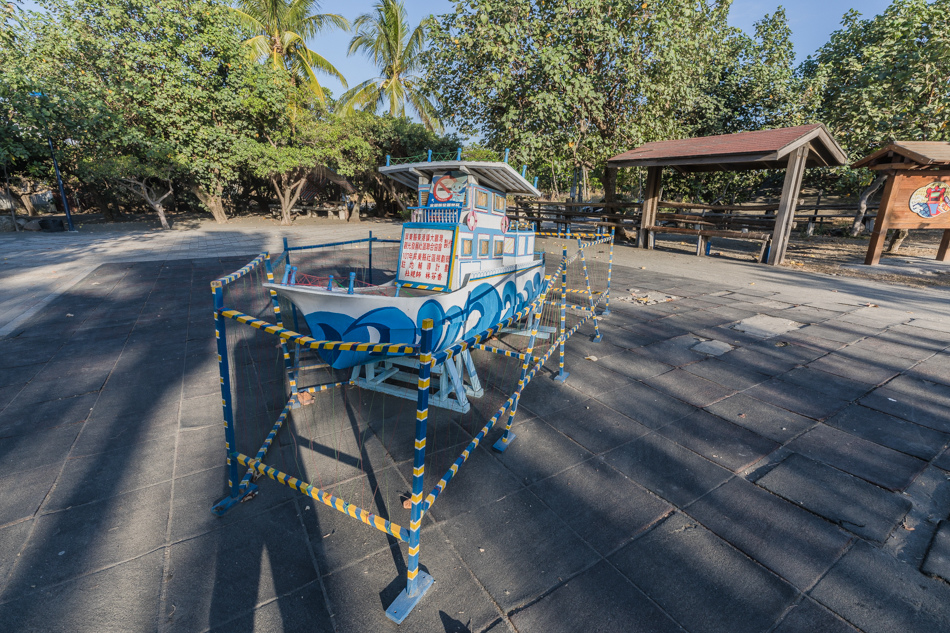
column 62, row 191
column 371, row 258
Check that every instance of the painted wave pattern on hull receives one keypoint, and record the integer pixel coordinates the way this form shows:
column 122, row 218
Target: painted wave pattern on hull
column 485, row 306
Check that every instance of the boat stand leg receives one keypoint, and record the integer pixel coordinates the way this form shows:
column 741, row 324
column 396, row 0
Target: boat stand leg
column 475, row 385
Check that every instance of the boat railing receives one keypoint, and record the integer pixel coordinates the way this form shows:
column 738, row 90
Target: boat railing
column 449, row 214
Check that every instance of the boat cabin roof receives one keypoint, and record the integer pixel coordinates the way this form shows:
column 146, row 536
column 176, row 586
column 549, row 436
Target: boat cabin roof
column 496, row 175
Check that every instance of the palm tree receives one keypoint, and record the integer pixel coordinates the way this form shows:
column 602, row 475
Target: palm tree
column 385, row 37
column 282, row 27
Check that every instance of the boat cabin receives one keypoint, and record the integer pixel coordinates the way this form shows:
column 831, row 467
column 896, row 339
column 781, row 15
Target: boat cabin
column 460, row 230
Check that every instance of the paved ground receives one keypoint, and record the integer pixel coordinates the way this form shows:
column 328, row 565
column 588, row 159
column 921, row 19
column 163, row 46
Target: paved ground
column 795, row 482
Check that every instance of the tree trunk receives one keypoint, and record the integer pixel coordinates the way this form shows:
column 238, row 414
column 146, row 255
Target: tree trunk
column 897, row 239
column 288, row 194
column 27, row 204
column 857, row 227
column 355, row 213
column 610, row 184
column 101, row 203
column 212, row 200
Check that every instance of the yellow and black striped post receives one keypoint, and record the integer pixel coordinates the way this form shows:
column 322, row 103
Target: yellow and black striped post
column 561, row 374
column 590, row 293
column 285, row 350
column 417, row 581
column 610, row 267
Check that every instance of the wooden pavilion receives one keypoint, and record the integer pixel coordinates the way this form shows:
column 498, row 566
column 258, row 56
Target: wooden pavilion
column 917, row 193
column 792, row 149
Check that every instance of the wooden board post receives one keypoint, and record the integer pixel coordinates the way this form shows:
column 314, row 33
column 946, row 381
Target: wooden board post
column 651, row 201
column 787, row 205
column 905, row 205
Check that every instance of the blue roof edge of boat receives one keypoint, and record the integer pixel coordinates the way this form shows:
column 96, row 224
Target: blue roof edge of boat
column 497, row 175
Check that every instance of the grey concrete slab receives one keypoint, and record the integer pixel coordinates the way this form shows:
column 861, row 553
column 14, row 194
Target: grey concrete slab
column 22, row 493
column 44, row 447
column 729, row 375
column 689, row 387
column 632, row 365
column 862, row 508
column 800, row 400
column 62, row 545
column 25, row 418
column 595, row 426
column 872, row 462
column 200, row 449
column 601, row 505
column 674, row 473
column 515, row 534
column 764, row 326
column 103, row 432
column 12, row 538
column 943, row 460
column 118, row 598
column 600, row 599
column 674, row 351
column 645, row 404
column 750, row 359
column 768, row 421
column 885, row 347
column 545, row 396
column 719, row 441
column 937, row 562
column 713, row 348
column 222, row 574
column 300, row 610
column 796, row 545
column 919, row 401
column 588, row 372
column 935, row 369
column 862, row 365
column 840, row 330
column 890, row 431
column 808, row 615
column 879, row 594
column 701, row 581
column 819, row 381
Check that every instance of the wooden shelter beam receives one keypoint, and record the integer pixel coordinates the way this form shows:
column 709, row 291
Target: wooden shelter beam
column 651, row 201
column 787, row 205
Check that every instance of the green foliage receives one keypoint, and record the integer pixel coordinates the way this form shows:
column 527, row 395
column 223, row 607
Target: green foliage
column 886, row 78
column 385, row 36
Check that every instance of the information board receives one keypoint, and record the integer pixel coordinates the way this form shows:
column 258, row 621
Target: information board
column 426, row 256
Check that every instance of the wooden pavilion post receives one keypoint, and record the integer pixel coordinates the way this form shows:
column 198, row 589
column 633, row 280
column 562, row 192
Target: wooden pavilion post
column 787, row 205
column 651, row 202
column 879, row 232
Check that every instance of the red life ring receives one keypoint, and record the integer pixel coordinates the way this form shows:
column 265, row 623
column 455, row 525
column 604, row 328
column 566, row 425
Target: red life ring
column 472, row 222
column 504, row 224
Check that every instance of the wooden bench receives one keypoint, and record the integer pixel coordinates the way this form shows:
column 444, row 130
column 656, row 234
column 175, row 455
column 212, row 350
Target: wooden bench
column 726, row 225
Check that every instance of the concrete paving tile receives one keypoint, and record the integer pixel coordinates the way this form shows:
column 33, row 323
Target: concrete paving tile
column 359, row 594
column 726, row 444
column 12, row 538
column 869, row 461
column 879, row 594
column 937, row 562
column 675, row 351
column 809, row 314
column 916, row 338
column 919, row 401
column 884, row 347
column 200, row 449
column 667, row 469
column 22, row 493
column 201, row 411
column 729, row 375
column 929, row 324
column 890, row 431
column 862, row 508
column 518, row 548
column 768, row 421
column 634, row 334
column 943, row 461
column 812, row 379
column 728, row 592
column 595, row 426
column 796, row 545
column 304, row 609
column 120, row 598
column 803, row 339
column 750, row 359
column 230, row 571
column 586, row 372
column 600, row 599
column 68, row 544
column 862, row 365
column 67, row 385
column 633, row 365
column 786, row 351
column 45, row 446
column 104, row 431
column 840, row 330
column 646, row 405
column 541, row 451
column 800, row 400
column 544, row 396
column 103, row 475
column 605, row 508
column 26, row 418
column 19, row 375
column 734, row 312
column 935, row 369
column 808, row 615
column 689, row 387
column 8, row 393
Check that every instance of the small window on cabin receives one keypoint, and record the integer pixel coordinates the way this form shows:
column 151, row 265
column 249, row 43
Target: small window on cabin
column 483, row 247
column 466, row 248
column 524, row 246
column 499, row 246
column 481, row 199
column 501, row 203
column 509, row 246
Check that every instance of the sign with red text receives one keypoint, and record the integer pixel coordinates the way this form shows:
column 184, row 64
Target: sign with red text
column 426, row 256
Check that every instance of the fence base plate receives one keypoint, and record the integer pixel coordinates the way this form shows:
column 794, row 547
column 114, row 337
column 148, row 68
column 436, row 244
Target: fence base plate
column 503, row 443
column 229, row 502
column 404, row 603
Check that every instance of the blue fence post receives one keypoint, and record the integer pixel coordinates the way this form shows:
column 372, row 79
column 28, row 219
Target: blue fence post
column 349, row 289
column 459, row 155
column 370, row 280
column 234, row 482
column 562, row 375
column 524, row 170
column 387, row 160
column 418, row 582
column 506, row 154
column 535, row 182
column 430, row 155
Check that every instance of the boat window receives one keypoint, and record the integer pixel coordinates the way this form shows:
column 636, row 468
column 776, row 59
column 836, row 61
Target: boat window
column 466, row 248
column 501, row 203
column 509, row 246
column 481, row 199
column 483, row 247
column 499, row 246
column 523, row 246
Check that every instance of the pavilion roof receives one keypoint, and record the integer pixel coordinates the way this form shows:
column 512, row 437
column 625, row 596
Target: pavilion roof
column 908, row 155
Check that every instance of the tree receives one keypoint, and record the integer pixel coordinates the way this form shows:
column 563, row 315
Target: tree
column 282, row 28
column 385, row 37
column 573, row 82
